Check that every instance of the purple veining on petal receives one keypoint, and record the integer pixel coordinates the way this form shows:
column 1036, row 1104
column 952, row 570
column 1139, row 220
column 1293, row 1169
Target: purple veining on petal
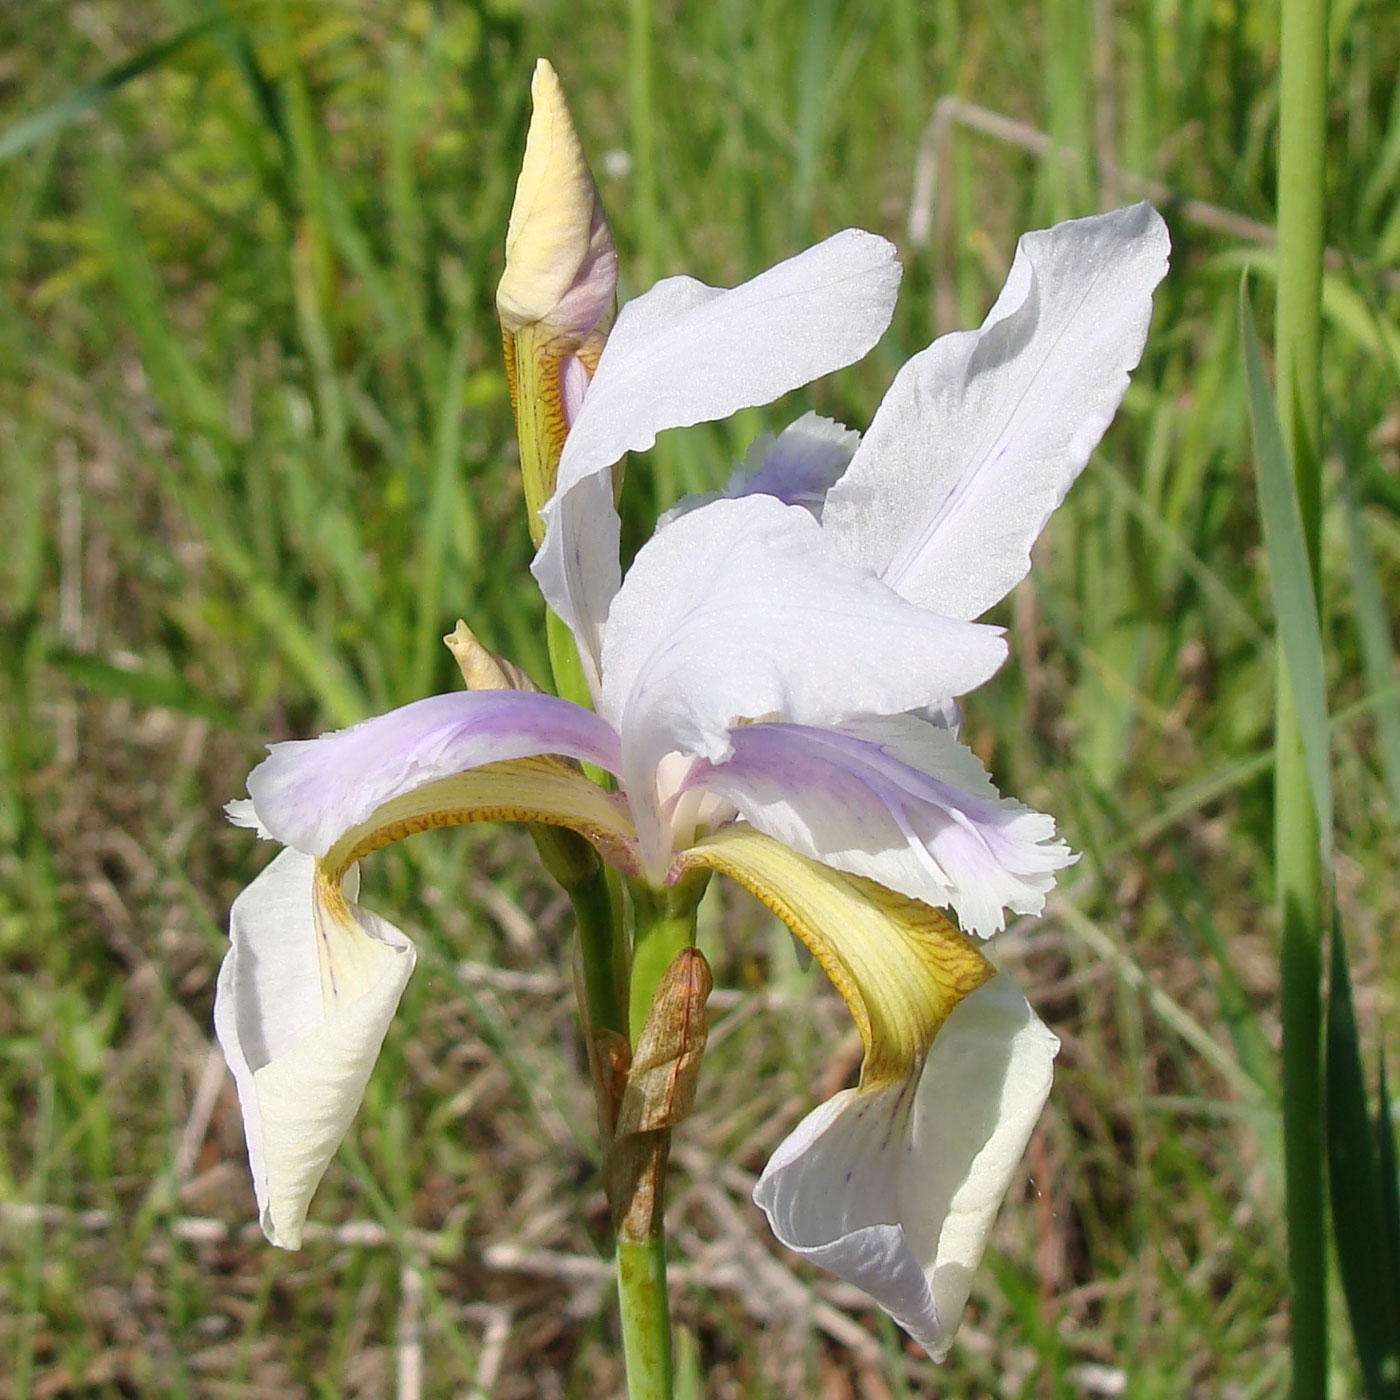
column 308, row 792
column 863, row 808
column 800, row 465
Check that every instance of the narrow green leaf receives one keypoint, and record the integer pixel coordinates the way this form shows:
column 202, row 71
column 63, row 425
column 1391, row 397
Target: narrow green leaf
column 1388, row 1183
column 1358, row 1217
column 146, row 688
column 1346, row 309
column 244, row 58
column 437, row 522
column 1295, row 599
column 1373, row 623
column 56, row 115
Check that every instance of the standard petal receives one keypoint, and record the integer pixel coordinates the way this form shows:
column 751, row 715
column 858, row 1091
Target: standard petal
column 981, row 434
column 307, row 793
column 304, row 997
column 896, row 1189
column 899, row 800
column 686, row 353
column 797, row 467
column 800, row 465
column 739, row 611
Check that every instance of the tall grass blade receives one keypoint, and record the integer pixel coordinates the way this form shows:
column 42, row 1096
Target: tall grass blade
column 1290, row 574
column 1388, row 1177
column 244, row 58
column 437, row 524
column 57, row 115
column 145, row 688
column 1302, row 836
column 1368, row 1269
column 1373, row 623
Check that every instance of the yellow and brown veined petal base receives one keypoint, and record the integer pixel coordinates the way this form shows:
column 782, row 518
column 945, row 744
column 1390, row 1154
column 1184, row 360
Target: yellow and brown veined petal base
column 545, row 790
column 535, row 358
column 900, row 966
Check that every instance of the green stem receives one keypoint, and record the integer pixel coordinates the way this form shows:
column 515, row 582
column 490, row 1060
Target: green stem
column 569, row 683
column 646, row 1321
column 597, row 935
column 1300, row 861
column 663, row 922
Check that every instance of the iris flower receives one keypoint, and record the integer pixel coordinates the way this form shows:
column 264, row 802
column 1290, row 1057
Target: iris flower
column 773, row 685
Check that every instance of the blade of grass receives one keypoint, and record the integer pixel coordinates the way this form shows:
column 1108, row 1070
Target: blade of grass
column 1389, row 1179
column 1367, row 1268
column 144, row 688
column 1302, row 805
column 1291, row 577
column 1302, row 812
column 244, row 58
column 1373, row 623
column 57, row 115
column 437, row 521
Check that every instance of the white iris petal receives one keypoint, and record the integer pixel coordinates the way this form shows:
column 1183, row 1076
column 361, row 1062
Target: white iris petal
column 895, row 1188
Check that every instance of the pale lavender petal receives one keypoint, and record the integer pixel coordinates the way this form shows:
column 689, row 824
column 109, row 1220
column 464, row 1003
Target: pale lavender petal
column 306, row 793
column 738, row 611
column 797, row 467
column 896, row 1188
column 898, row 800
column 686, row 353
column 800, row 465
column 573, row 385
column 981, row 434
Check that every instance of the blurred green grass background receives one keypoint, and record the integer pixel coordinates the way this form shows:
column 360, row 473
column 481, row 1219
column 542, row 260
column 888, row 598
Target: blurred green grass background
column 256, row 457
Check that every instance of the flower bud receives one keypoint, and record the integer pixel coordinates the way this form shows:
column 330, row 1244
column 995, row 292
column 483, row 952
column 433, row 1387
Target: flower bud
column 555, row 298
column 561, row 264
column 483, row 669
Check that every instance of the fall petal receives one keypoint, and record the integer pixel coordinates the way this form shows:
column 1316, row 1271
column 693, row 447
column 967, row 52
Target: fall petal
column 899, row 800
column 307, row 793
column 900, row 966
column 798, row 466
column 304, row 998
column 896, row 1189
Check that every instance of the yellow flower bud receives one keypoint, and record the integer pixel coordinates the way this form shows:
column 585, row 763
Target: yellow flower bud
column 555, row 298
column 561, row 265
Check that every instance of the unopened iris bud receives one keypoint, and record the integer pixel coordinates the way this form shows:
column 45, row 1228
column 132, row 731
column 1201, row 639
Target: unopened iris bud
column 483, row 669
column 566, row 855
column 556, row 297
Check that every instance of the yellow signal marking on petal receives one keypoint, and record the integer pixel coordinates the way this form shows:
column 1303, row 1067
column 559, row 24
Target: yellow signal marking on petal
column 900, row 966
column 351, row 962
column 542, row 789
